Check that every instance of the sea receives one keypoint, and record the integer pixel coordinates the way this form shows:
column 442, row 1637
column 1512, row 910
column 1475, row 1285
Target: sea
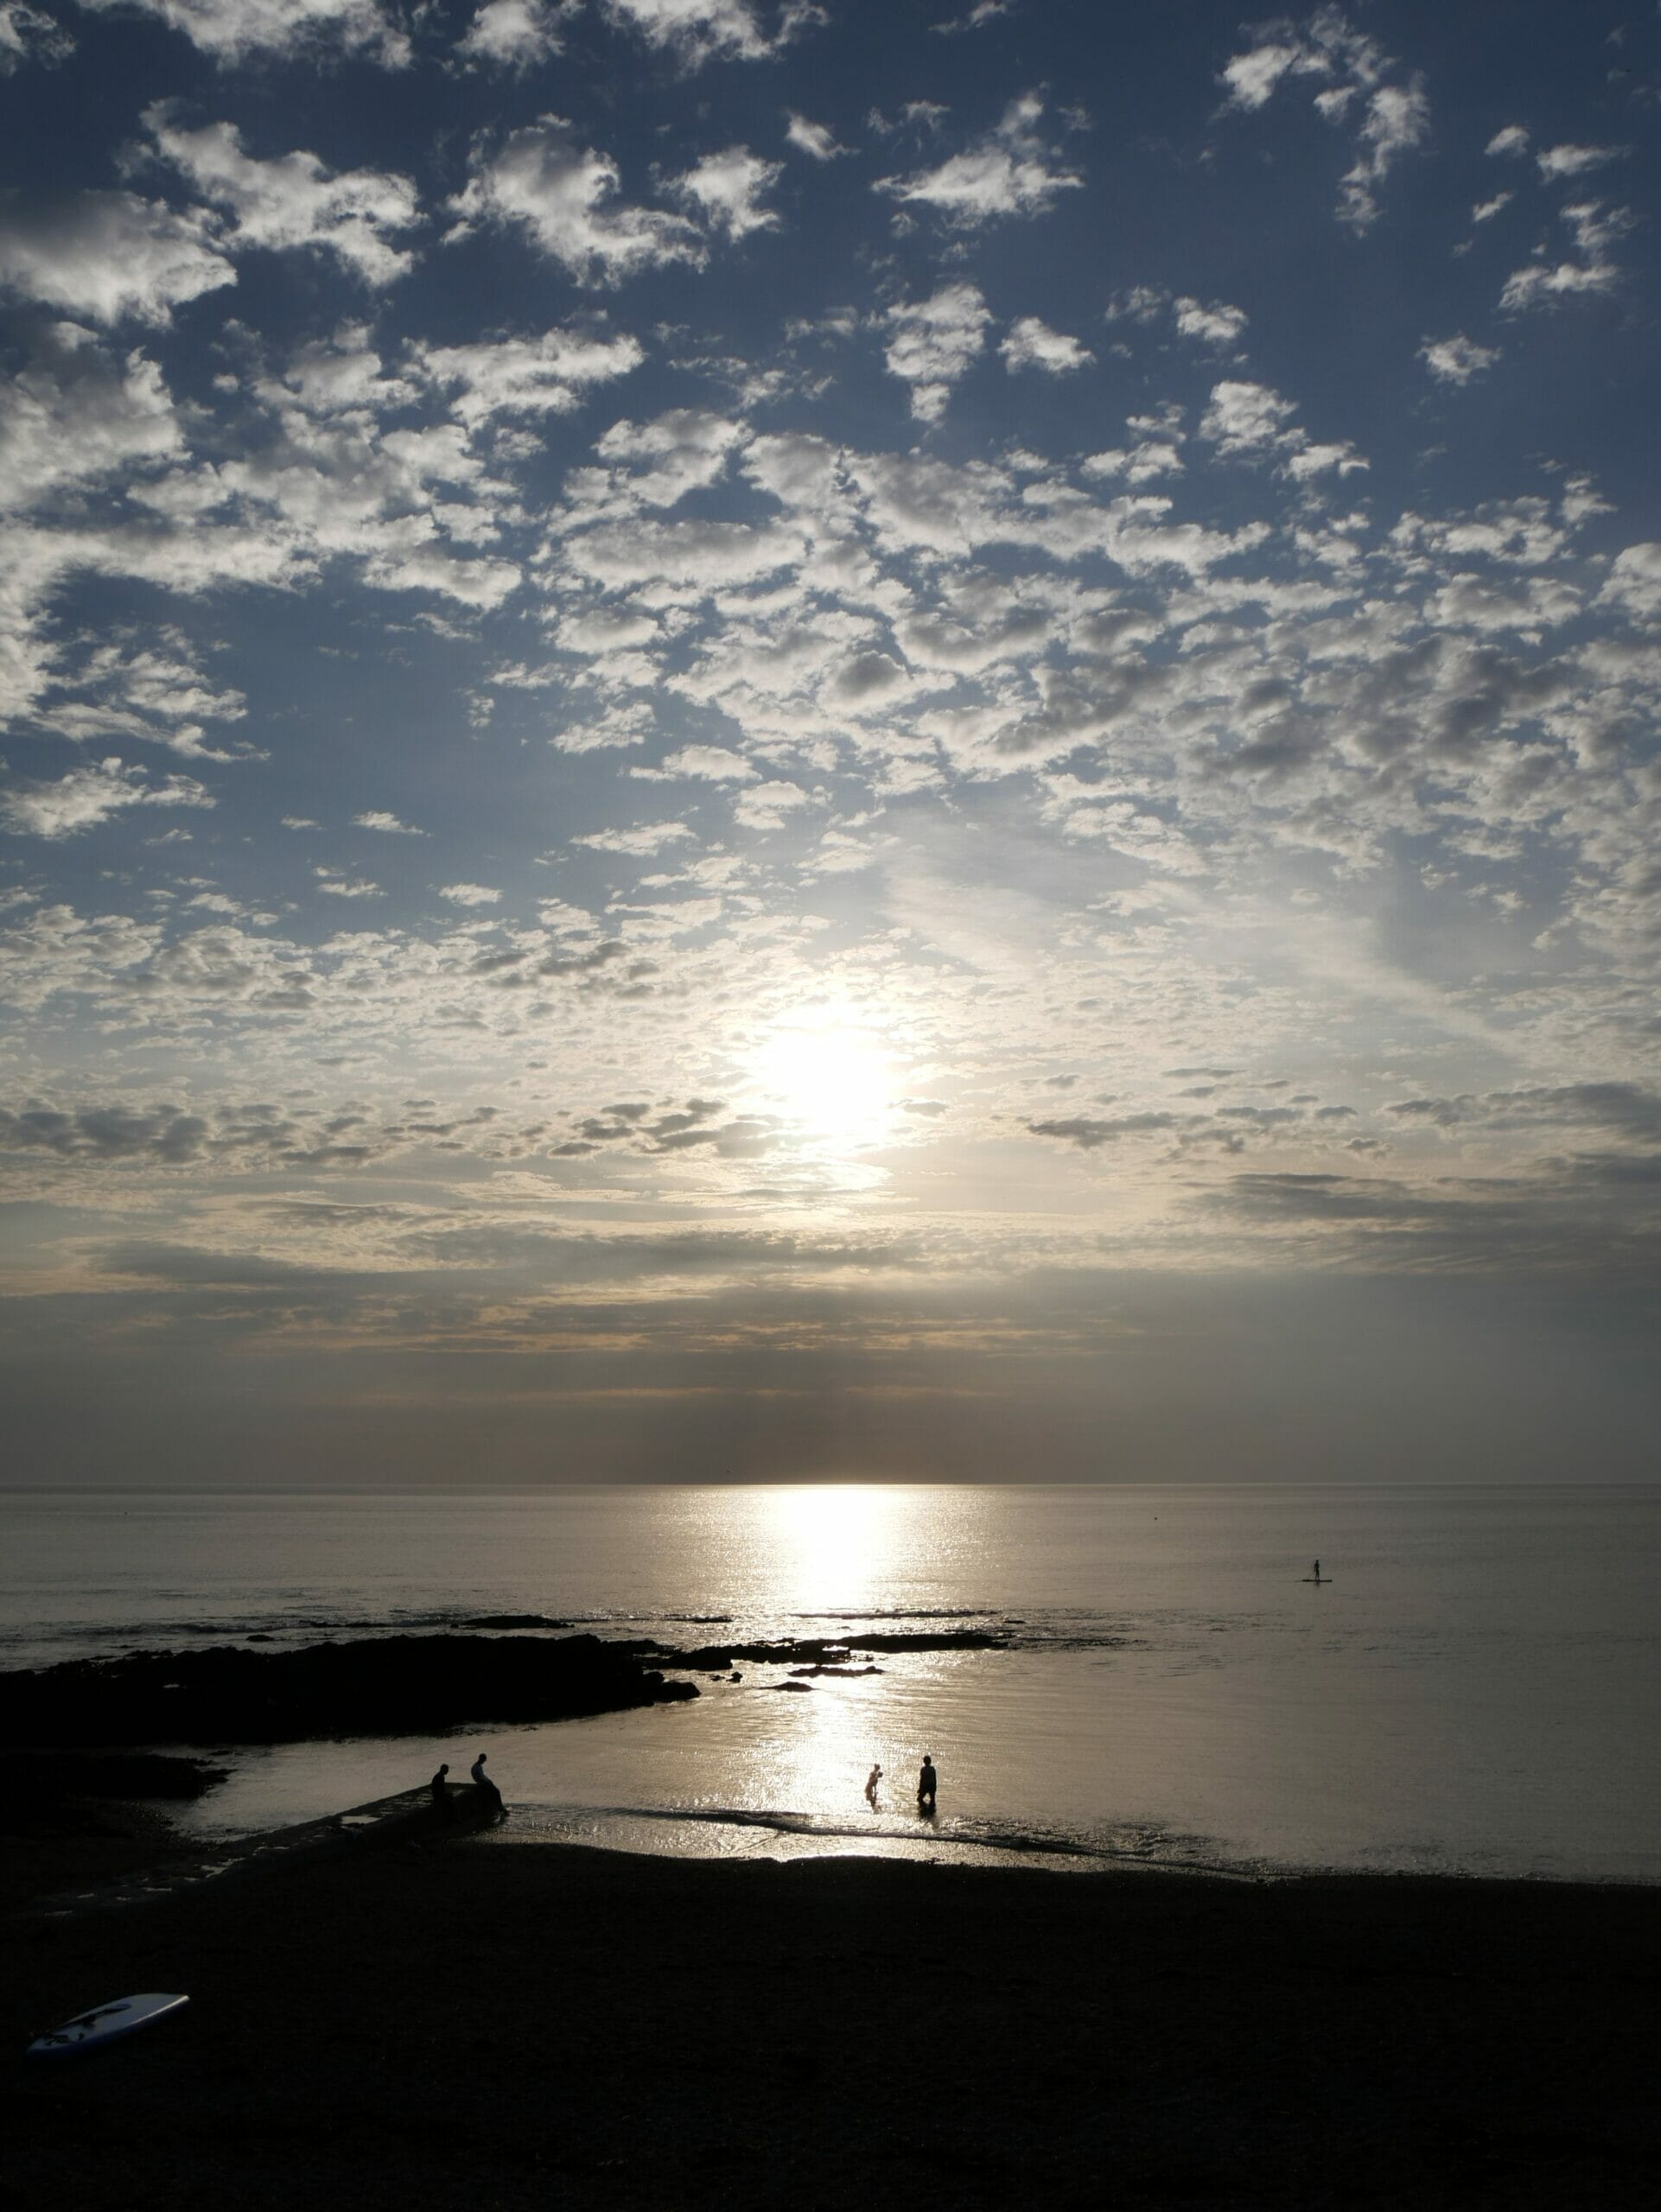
column 1474, row 1689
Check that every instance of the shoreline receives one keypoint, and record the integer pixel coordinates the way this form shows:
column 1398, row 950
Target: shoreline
column 422, row 2021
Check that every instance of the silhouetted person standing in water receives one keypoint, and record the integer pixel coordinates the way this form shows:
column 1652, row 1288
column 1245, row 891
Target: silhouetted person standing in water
column 871, row 1782
column 928, row 1783
column 441, row 1790
column 1317, row 1570
column 489, row 1794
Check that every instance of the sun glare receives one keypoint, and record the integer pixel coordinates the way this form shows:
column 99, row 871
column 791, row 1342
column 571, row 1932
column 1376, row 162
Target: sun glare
column 832, row 1076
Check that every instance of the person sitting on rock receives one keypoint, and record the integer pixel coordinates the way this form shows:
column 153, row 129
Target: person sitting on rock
column 440, row 1793
column 928, row 1783
column 489, row 1795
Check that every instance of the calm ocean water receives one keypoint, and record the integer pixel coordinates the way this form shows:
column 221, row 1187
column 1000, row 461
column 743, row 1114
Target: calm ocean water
column 1478, row 1688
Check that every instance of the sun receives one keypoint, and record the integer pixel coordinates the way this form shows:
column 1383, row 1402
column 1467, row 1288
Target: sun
column 831, row 1074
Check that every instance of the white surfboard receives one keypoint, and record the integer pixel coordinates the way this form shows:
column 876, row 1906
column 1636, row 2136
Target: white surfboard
column 105, row 2024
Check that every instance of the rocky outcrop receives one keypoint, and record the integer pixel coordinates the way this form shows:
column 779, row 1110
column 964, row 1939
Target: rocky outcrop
column 380, row 1686
column 823, row 1651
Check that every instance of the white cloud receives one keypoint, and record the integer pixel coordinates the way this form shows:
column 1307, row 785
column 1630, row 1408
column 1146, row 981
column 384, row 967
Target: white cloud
column 230, row 31
column 1397, row 119
column 548, row 375
column 89, row 796
column 340, row 887
column 1486, row 210
column 651, row 837
column 973, row 19
column 111, row 254
column 934, row 342
column 29, row 34
column 1545, row 283
column 1634, row 582
column 566, row 196
column 389, row 824
column 816, row 139
column 768, row 806
column 698, row 30
column 1512, row 140
column 727, row 188
column 714, row 764
column 470, row 894
column 293, row 200
column 1218, row 325
column 516, row 34
column 1031, row 344
column 1557, row 162
column 1457, row 359
column 73, row 414
column 1009, row 171
column 1351, row 71
column 1244, row 418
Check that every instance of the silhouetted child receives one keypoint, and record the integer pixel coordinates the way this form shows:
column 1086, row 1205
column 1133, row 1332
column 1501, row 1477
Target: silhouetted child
column 871, row 1782
column 441, row 1790
column 928, row 1783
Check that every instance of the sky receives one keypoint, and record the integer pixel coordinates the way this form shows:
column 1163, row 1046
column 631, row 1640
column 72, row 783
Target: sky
column 889, row 739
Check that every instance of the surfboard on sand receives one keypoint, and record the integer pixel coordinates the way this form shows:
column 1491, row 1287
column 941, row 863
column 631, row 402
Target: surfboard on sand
column 105, row 2024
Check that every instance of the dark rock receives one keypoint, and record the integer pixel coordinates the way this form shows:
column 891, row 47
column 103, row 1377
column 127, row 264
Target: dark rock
column 388, row 1685
column 821, row 1649
column 791, row 1686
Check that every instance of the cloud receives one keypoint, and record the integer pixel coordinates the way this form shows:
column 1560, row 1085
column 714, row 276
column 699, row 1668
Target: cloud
column 1217, row 325
column 975, row 18
column 566, row 196
column 1089, row 1134
column 1353, row 73
column 231, row 30
column 294, row 200
column 1486, row 210
column 470, row 894
column 1247, row 420
column 934, row 342
column 697, row 31
column 1512, row 140
column 1634, row 582
column 110, row 255
column 1544, row 284
column 714, row 764
column 1457, row 359
column 1031, row 344
column 815, row 139
column 165, row 1136
column 1009, row 171
column 1558, row 162
column 340, row 887
column 29, row 34
column 73, row 414
column 727, row 188
column 516, row 34
column 640, row 843
column 388, row 825
column 547, row 375
column 86, row 797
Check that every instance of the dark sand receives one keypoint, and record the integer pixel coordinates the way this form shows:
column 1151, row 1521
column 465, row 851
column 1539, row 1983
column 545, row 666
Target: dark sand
column 469, row 2024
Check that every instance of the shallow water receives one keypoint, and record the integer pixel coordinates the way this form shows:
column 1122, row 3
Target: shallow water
column 1476, row 1689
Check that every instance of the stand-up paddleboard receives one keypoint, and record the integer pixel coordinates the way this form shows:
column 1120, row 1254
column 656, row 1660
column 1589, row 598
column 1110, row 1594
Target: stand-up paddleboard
column 105, row 2024
column 1315, row 1578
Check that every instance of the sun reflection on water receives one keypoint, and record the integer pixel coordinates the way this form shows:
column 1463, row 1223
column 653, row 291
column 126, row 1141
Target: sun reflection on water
column 835, row 1545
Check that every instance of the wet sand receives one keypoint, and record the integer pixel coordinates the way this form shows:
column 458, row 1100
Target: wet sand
column 420, row 2022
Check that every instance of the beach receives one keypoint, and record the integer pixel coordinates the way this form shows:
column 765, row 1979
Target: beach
column 436, row 2019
